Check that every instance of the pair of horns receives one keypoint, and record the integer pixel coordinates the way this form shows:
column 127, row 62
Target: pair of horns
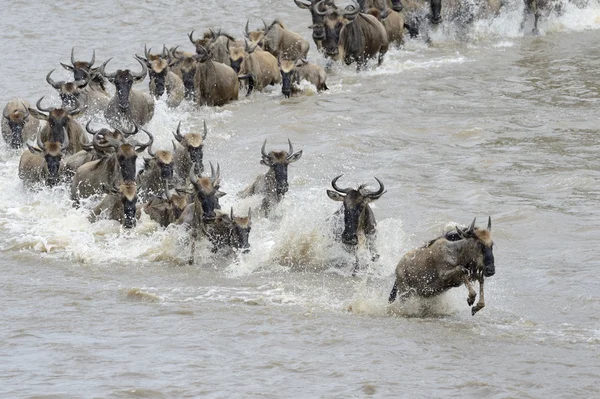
column 367, row 194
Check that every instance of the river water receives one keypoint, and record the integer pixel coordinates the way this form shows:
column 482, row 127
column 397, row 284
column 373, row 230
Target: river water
column 483, row 122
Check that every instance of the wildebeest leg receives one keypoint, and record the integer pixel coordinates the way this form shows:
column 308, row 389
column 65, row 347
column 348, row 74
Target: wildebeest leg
column 454, row 274
column 356, row 264
column 394, row 292
column 472, row 293
column 380, row 58
column 194, row 237
column 436, row 11
column 481, row 303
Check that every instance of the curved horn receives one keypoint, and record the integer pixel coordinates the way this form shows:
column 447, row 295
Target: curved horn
column 26, row 112
column 378, row 193
column 73, row 56
column 489, row 226
column 263, row 150
column 266, row 27
column 215, row 177
column 39, row 141
column 205, row 131
column 142, row 147
column 336, row 188
column 174, row 146
column 130, row 132
column 249, row 214
column 317, row 6
column 101, row 70
column 146, row 53
column 231, row 213
column 246, row 30
column 291, row 150
column 88, row 128
column 192, row 175
column 93, row 58
column 39, row 106
column 191, row 36
column 5, row 113
column 350, row 14
column 471, row 228
column 52, row 82
column 177, row 133
column 85, row 146
column 140, row 75
column 165, row 52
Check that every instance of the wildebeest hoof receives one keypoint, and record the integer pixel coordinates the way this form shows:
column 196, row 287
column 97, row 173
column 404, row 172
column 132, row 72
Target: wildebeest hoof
column 476, row 309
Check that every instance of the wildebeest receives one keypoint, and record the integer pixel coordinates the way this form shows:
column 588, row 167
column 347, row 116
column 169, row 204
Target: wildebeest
column 157, row 171
column 392, row 21
column 167, row 210
column 318, row 28
column 352, row 36
column 230, row 231
column 44, row 163
column 69, row 92
column 119, row 203
column 294, row 72
column 18, row 126
column 282, row 42
column 185, row 67
column 82, row 69
column 216, row 43
column 61, row 123
column 216, row 84
column 128, row 106
column 274, row 184
column 206, row 200
column 189, row 153
column 162, row 79
column 447, row 263
column 359, row 220
column 116, row 166
column 257, row 66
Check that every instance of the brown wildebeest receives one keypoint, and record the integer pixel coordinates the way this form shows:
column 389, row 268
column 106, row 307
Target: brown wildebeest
column 128, row 106
column 69, row 92
column 281, row 42
column 167, row 210
column 318, row 28
column 44, row 163
column 217, row 84
column 359, row 220
column 257, row 66
column 60, row 123
column 185, row 66
column 162, row 79
column 216, row 43
column 446, row 263
column 82, row 69
column 157, row 171
column 274, row 184
column 189, row 153
column 206, row 200
column 120, row 204
column 294, row 72
column 392, row 21
column 229, row 231
column 353, row 36
column 18, row 126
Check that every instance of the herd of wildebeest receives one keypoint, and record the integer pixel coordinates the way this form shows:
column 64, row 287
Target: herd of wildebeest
column 173, row 188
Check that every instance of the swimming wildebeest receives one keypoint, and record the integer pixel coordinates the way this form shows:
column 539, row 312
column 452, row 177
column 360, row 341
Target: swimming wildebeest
column 359, row 220
column 81, row 69
column 206, row 200
column 189, row 153
column 69, row 92
column 18, row 126
column 216, row 43
column 274, row 184
column 392, row 21
column 185, row 67
column 158, row 170
column 318, row 28
column 293, row 72
column 162, row 79
column 229, row 231
column 168, row 209
column 128, row 106
column 446, row 263
column 257, row 66
column 44, row 163
column 216, row 84
column 61, row 123
column 352, row 36
column 119, row 203
column 282, row 42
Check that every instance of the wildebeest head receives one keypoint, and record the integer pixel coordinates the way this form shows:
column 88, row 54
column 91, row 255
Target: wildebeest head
column 123, row 81
column 188, row 67
column 80, row 69
column 158, row 68
column 127, row 152
column 278, row 162
column 484, row 256
column 193, row 143
column 52, row 151
column 397, row 5
column 177, row 202
column 16, row 119
column 287, row 68
column 334, row 20
column 207, row 192
column 57, row 118
column 127, row 193
column 69, row 92
column 316, row 9
column 164, row 161
column 356, row 208
column 101, row 138
column 256, row 36
column 240, row 231
column 236, row 56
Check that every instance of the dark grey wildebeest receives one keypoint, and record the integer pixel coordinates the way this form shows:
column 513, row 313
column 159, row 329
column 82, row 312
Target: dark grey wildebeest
column 158, row 170
column 359, row 219
column 274, row 184
column 316, row 8
column 230, row 231
column 162, row 79
column 168, row 209
column 44, row 163
column 119, row 203
column 82, row 69
column 18, row 126
column 447, row 262
column 189, row 153
column 216, row 83
column 128, row 106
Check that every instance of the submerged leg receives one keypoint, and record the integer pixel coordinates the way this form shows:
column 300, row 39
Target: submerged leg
column 194, row 237
column 481, row 304
column 472, row 293
column 371, row 247
column 356, row 264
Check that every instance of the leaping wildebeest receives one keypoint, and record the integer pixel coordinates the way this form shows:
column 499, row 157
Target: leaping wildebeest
column 162, row 79
column 446, row 263
column 44, row 163
column 352, row 36
column 274, row 184
column 128, row 106
column 61, row 123
column 359, row 219
column 18, row 126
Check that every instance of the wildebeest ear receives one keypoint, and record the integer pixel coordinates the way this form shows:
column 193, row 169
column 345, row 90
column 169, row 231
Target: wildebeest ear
column 295, row 157
column 220, row 194
column 33, row 150
column 37, row 114
column 335, row 196
column 67, row 67
column 265, row 162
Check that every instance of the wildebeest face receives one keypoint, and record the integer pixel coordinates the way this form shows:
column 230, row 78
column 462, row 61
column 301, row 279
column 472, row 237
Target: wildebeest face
column 129, row 200
column 207, row 192
column 236, row 57
column 278, row 161
column 193, row 142
column 158, row 74
column 126, row 157
column 123, row 82
column 240, row 231
column 397, row 5
column 188, row 74
column 356, row 208
column 16, row 121
column 52, row 151
column 483, row 239
column 332, row 26
column 286, row 68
